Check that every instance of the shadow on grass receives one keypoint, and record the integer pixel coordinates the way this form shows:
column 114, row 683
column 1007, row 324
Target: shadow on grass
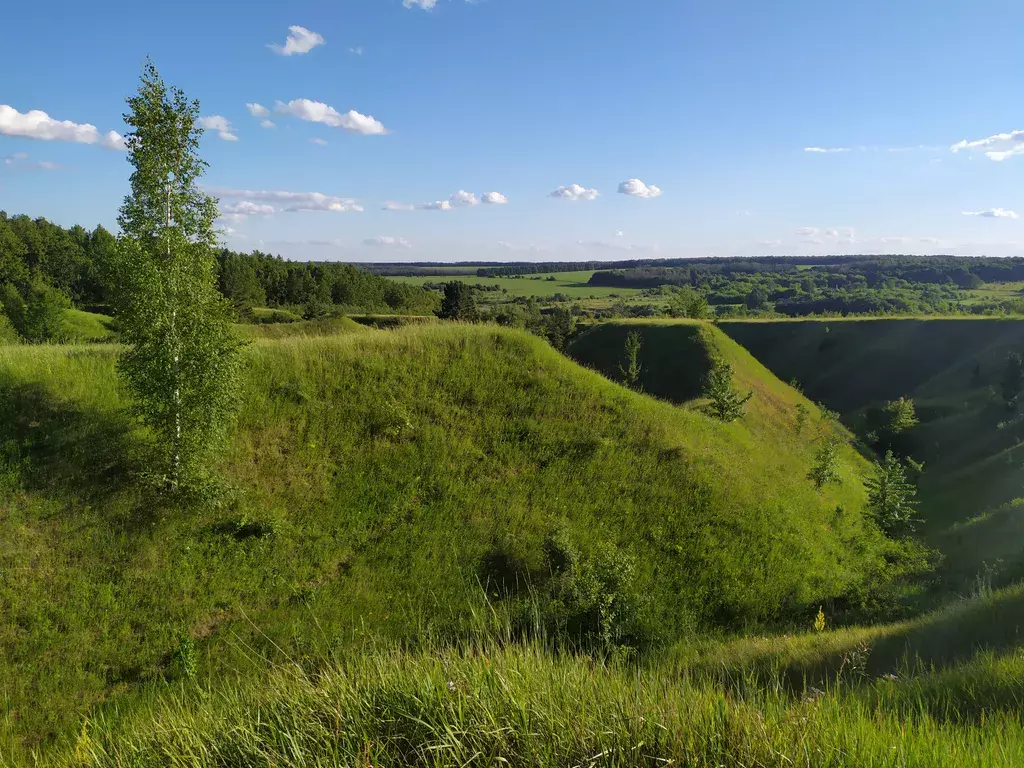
column 937, row 655
column 674, row 359
column 69, row 452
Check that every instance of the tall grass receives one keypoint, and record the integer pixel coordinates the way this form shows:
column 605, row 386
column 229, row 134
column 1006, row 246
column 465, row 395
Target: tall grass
column 376, row 480
column 524, row 706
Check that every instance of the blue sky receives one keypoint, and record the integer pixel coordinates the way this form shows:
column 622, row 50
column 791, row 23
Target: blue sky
column 704, row 111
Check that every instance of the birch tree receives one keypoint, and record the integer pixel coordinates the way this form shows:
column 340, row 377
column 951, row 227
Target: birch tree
column 182, row 361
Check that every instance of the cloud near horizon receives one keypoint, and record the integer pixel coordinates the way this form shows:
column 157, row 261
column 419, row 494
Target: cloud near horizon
column 387, row 241
column 291, row 201
column 36, row 124
column 992, row 213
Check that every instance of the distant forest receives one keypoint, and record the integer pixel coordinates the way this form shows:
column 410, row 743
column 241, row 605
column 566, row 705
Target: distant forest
column 37, row 254
column 863, row 285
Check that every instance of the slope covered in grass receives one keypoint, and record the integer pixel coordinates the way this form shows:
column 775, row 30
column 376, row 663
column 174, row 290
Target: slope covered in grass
column 970, row 441
column 675, row 357
column 88, row 327
column 522, row 706
column 377, row 483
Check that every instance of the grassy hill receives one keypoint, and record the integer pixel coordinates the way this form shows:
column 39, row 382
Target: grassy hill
column 403, row 484
column 970, row 442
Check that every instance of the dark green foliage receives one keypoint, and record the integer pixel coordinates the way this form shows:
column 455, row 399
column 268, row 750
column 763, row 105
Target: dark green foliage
column 892, row 496
column 1013, row 379
column 630, row 368
column 825, row 469
column 726, row 402
column 458, row 302
column 591, row 599
column 757, row 298
column 899, row 416
column 687, row 302
column 240, row 284
column 36, row 312
column 182, row 359
column 559, row 325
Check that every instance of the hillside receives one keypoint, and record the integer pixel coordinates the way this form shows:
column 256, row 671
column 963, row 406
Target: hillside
column 969, row 440
column 376, row 482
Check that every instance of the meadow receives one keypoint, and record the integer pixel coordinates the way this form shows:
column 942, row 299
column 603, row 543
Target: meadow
column 632, row 582
column 543, row 286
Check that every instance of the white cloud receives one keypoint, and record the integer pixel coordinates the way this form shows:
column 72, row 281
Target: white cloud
column 426, row 5
column 357, row 51
column 463, row 198
column 268, row 124
column 20, row 160
column 318, row 112
column 390, row 205
column 318, row 141
column 494, row 198
column 257, row 110
column 387, row 241
column 769, row 243
column 36, row 124
column 998, row 147
column 575, row 192
column 616, row 245
column 247, row 208
column 291, row 201
column 523, row 247
column 439, row 205
column 219, row 124
column 636, row 188
column 826, row 150
column 834, row 235
column 300, row 41
column 619, row 233
column 993, row 213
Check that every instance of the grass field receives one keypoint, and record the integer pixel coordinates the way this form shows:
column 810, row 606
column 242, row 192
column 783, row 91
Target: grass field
column 377, row 480
column 970, row 442
column 495, row 704
column 419, row 529
column 572, row 284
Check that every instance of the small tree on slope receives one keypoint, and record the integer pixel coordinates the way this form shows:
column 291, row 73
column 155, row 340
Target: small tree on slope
column 630, row 371
column 726, row 403
column 182, row 360
column 891, row 496
column 825, row 469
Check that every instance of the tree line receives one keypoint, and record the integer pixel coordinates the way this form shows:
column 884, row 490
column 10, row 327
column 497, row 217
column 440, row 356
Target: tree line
column 45, row 267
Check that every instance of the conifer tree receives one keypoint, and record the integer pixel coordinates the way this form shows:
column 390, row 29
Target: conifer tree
column 726, row 403
column 182, row 361
column 891, row 495
column 630, row 371
column 458, row 302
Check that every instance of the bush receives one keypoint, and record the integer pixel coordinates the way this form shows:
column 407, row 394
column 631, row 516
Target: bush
column 37, row 312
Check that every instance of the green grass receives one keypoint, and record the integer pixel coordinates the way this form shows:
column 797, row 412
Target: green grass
column 496, row 705
column 330, row 326
column 572, row 284
column 376, row 482
column 970, row 442
column 274, row 315
column 88, row 327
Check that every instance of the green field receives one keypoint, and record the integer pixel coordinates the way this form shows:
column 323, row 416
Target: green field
column 446, row 544
column 572, row 284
